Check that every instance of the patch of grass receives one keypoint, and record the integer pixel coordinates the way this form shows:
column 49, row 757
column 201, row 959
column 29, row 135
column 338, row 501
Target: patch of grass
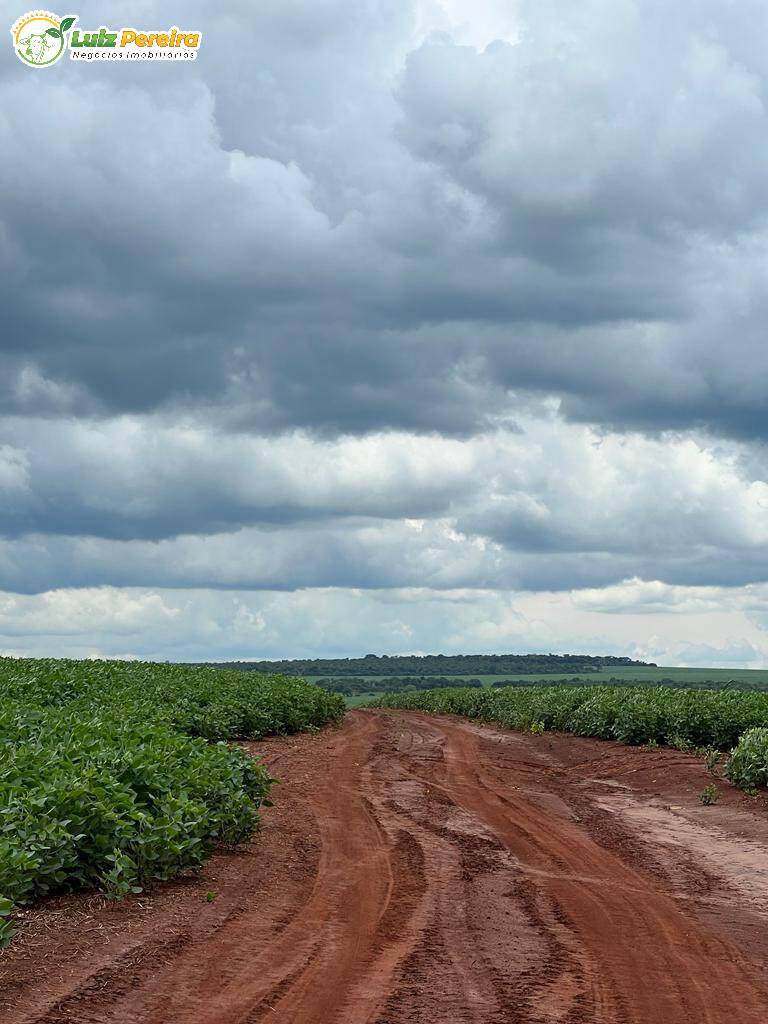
column 709, row 795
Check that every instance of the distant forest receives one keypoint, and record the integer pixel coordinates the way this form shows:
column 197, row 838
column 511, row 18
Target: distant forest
column 441, row 665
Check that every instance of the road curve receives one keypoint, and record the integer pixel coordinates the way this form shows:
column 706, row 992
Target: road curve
column 450, row 876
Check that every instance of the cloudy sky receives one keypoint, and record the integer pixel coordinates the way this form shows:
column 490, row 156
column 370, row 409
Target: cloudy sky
column 390, row 326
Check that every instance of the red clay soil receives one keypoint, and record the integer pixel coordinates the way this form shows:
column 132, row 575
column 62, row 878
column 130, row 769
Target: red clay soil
column 430, row 870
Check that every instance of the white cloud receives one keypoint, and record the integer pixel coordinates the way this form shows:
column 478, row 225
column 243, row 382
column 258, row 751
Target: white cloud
column 85, row 612
column 474, row 24
column 201, row 624
column 638, row 596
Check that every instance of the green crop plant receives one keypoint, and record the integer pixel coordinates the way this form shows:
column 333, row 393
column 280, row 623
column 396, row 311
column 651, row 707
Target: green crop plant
column 7, row 927
column 116, row 773
column 709, row 795
column 748, row 764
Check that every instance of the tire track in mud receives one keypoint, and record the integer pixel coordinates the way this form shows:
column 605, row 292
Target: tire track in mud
column 444, row 879
column 332, row 960
column 644, row 958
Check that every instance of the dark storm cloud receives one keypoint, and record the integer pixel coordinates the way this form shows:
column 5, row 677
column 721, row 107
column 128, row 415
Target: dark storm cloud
column 324, row 251
column 133, row 479
column 346, row 558
column 332, row 307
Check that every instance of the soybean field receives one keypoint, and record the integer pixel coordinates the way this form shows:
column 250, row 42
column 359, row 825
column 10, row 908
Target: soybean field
column 116, row 773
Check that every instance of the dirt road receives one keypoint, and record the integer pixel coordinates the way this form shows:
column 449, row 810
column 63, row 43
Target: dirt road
column 427, row 870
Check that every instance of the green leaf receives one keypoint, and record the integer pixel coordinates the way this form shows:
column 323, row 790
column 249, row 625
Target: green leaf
column 67, row 23
column 54, row 32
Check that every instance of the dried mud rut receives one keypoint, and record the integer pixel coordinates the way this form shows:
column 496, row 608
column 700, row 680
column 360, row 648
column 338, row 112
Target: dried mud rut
column 431, row 870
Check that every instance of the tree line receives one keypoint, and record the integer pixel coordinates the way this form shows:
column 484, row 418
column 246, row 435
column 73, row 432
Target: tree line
column 440, row 665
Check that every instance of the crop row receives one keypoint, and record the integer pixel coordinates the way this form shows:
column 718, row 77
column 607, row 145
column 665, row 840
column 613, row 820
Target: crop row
column 213, row 703
column 114, row 773
column 682, row 718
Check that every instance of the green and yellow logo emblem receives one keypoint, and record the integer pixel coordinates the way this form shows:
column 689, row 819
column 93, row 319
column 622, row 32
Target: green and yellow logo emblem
column 39, row 38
